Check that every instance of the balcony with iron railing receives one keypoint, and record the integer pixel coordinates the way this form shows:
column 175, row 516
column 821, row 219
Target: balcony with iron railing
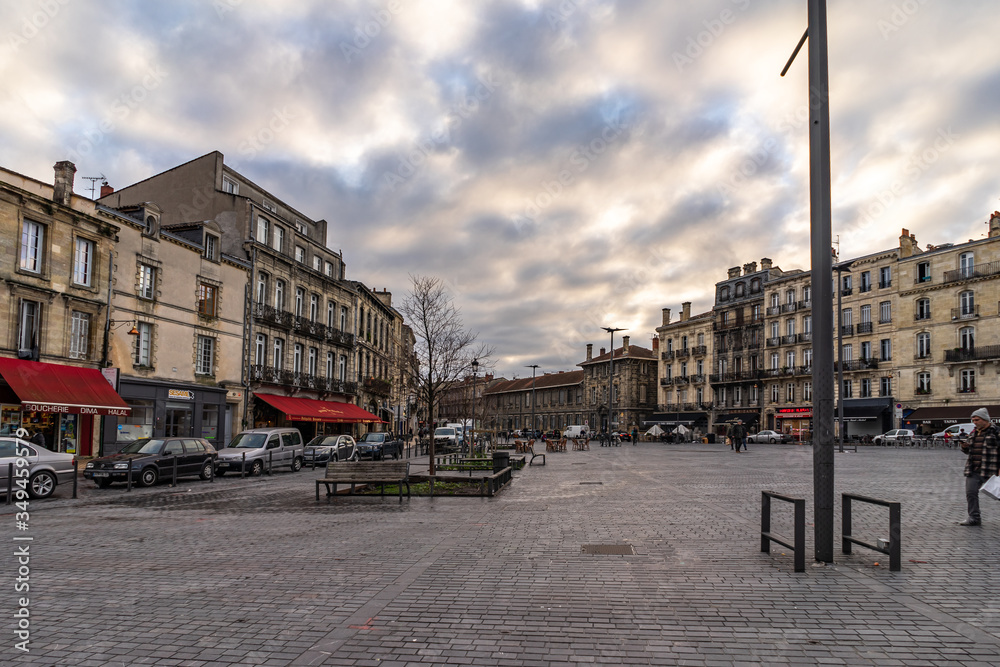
column 683, row 353
column 885, row 284
column 773, row 310
column 697, row 379
column 865, row 288
column 920, row 280
column 772, row 342
column 805, row 337
column 965, row 313
column 788, row 339
column 666, row 382
column 789, row 307
column 864, row 327
column 667, row 355
column 699, row 350
column 847, row 291
column 847, row 330
column 680, row 379
column 803, row 370
column 271, row 375
column 922, row 315
column 857, row 365
column 339, row 337
column 965, row 354
column 969, row 272
column 273, row 316
column 734, row 323
column 377, row 386
column 803, row 305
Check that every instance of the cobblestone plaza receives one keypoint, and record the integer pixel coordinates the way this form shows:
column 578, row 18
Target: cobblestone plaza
column 256, row 572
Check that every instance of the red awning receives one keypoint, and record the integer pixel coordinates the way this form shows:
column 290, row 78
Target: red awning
column 309, row 410
column 56, row 388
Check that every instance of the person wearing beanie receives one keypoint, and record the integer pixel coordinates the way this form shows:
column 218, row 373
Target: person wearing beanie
column 983, row 462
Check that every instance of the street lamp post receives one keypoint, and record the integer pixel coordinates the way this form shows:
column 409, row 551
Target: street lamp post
column 611, row 375
column 475, row 369
column 532, row 367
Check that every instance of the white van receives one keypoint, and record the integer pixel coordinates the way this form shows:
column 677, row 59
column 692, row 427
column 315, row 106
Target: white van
column 957, row 430
column 576, row 431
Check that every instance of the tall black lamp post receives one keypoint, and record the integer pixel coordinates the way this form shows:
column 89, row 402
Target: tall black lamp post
column 532, row 367
column 611, row 375
column 475, row 369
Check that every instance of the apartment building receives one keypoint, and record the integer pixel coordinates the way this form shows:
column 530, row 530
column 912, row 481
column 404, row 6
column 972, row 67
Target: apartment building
column 632, row 381
column 686, row 357
column 555, row 400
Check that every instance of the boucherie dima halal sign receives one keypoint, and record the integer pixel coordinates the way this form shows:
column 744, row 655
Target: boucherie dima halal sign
column 74, row 409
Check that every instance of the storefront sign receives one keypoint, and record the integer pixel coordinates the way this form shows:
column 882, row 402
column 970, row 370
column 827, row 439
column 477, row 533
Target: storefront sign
column 73, row 409
column 183, row 394
column 794, row 412
column 111, row 375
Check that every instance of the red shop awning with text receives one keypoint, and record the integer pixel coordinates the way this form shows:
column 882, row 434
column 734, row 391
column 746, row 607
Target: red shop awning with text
column 310, row 410
column 70, row 390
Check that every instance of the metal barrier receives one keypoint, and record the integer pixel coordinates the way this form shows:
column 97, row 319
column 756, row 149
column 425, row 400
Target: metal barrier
column 798, row 545
column 893, row 549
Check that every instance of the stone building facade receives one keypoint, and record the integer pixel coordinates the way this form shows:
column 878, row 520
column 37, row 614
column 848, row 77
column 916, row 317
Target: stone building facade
column 634, row 384
column 686, row 354
column 556, row 400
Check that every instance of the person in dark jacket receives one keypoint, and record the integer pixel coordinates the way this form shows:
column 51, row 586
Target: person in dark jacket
column 38, row 439
column 983, row 462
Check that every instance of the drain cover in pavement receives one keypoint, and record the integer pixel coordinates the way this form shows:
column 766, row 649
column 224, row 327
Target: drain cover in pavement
column 591, row 482
column 608, row 549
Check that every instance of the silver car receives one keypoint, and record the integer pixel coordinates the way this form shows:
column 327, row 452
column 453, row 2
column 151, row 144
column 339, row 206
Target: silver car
column 260, row 448
column 46, row 469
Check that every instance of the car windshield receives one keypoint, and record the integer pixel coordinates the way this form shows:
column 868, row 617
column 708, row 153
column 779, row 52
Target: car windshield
column 249, row 440
column 372, row 437
column 323, row 441
column 142, row 446
column 444, row 431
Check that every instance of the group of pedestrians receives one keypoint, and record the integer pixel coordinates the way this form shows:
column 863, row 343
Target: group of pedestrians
column 736, row 434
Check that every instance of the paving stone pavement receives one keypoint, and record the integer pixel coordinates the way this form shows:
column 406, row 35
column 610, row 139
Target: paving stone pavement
column 256, row 572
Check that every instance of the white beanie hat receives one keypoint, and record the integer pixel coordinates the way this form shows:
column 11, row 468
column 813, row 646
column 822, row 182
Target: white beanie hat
column 982, row 413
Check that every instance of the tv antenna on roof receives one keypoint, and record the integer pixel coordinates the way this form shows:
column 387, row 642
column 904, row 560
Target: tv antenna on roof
column 93, row 182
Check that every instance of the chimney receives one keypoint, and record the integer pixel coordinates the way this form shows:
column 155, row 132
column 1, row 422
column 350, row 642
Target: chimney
column 590, row 351
column 685, row 311
column 906, row 243
column 603, row 350
column 62, row 192
column 995, row 224
column 656, row 343
column 106, row 189
column 749, row 267
column 666, row 317
column 734, row 272
column 765, row 264
column 624, row 344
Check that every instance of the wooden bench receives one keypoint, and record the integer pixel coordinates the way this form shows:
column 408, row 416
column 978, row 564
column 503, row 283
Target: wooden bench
column 365, row 472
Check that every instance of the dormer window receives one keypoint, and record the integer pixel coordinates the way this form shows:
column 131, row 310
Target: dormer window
column 230, row 186
column 741, row 289
column 269, row 205
column 211, row 247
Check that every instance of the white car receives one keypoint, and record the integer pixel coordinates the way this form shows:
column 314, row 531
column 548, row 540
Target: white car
column 895, row 435
column 769, row 436
column 956, row 431
column 45, row 469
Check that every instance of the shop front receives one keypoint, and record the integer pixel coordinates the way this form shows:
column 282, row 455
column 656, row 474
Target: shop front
column 930, row 420
column 866, row 417
column 749, row 416
column 163, row 409
column 794, row 420
column 310, row 416
column 58, row 401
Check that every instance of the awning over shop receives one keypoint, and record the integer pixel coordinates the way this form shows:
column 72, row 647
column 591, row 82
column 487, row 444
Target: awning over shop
column 860, row 410
column 71, row 390
column 675, row 418
column 746, row 417
column 953, row 414
column 310, row 410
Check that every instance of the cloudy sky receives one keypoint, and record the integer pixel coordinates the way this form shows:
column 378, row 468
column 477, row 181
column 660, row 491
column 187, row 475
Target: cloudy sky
column 563, row 164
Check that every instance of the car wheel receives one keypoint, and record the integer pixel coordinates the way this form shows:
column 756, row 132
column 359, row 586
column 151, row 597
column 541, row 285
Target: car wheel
column 102, row 483
column 296, row 464
column 772, row 441
column 148, row 477
column 354, row 456
column 206, row 470
column 257, row 469
column 42, row 484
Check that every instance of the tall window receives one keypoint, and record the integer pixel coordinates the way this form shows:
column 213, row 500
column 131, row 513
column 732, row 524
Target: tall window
column 866, row 349
column 848, row 389
column 261, row 288
column 329, row 269
column 967, row 338
column 807, row 391
column 775, row 329
column 923, row 383
column 300, row 254
column 700, row 367
column 331, row 313
column 965, row 264
column 923, row 272
column 848, row 352
column 774, row 361
column 790, row 296
column 790, row 327
column 206, row 300
column 807, row 324
column 278, row 242
column 807, row 357
column 260, row 350
column 79, row 336
column 884, row 312
column 313, row 360
column 885, row 349
column 342, row 368
column 144, row 344
column 300, row 297
column 923, row 345
column 923, row 309
column 885, row 277
column 329, row 364
column 278, row 360
column 790, row 358
column 968, row 303
column 32, row 239
column 147, row 281
column 206, row 355
column 790, row 392
column 262, row 226
column 968, row 381
column 866, row 314
column 885, row 386
column 847, row 314
column 847, row 282
column 343, row 318
column 807, row 293
column 211, row 247
column 775, row 300
column 279, row 294
column 83, row 262
column 775, row 393
column 866, row 281
column 297, row 358
column 313, row 307
column 866, row 387
column 28, row 325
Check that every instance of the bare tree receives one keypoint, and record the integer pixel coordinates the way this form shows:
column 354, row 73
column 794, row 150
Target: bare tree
column 444, row 350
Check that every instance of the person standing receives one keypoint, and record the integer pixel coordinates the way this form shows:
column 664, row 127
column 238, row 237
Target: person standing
column 635, row 435
column 984, row 461
column 739, row 435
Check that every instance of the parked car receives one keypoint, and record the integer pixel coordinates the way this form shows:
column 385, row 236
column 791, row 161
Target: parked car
column 769, row 437
column 279, row 447
column 956, row 431
column 446, row 436
column 895, row 435
column 46, row 469
column 323, row 448
column 378, row 446
column 149, row 460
